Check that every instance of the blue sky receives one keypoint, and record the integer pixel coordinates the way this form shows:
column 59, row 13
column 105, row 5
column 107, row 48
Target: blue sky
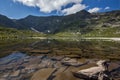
column 21, row 8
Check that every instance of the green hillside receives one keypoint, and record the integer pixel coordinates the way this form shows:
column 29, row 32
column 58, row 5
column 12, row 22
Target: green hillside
column 104, row 32
column 14, row 33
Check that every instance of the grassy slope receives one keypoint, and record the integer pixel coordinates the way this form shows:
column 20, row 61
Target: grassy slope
column 106, row 32
column 95, row 32
column 14, row 33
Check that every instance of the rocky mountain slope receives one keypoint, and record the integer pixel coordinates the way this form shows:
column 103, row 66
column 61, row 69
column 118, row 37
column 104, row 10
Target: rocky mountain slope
column 82, row 22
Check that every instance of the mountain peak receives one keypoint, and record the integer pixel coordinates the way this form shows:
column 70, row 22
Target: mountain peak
column 83, row 12
column 30, row 16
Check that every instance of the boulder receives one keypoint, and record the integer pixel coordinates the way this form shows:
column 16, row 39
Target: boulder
column 97, row 72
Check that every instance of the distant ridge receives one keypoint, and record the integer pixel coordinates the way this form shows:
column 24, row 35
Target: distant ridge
column 54, row 24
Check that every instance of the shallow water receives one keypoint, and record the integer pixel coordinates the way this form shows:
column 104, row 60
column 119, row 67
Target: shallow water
column 79, row 48
column 20, row 59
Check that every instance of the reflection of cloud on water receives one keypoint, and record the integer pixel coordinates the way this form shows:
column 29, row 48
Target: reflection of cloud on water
column 12, row 57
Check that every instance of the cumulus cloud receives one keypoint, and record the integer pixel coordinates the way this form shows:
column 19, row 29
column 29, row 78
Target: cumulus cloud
column 106, row 8
column 75, row 8
column 94, row 10
column 47, row 6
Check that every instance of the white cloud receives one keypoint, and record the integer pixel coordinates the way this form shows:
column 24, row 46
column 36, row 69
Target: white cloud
column 48, row 6
column 75, row 8
column 94, row 10
column 106, row 8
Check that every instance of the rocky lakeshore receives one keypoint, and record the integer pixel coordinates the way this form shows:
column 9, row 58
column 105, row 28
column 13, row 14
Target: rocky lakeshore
column 19, row 66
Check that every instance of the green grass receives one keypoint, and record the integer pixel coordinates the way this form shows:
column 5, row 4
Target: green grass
column 104, row 32
column 98, row 32
column 65, row 34
column 9, row 33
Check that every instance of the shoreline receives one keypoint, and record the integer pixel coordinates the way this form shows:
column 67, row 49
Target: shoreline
column 67, row 38
column 103, row 38
column 74, row 38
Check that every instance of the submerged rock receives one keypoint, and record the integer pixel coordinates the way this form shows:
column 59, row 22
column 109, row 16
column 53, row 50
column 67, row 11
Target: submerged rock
column 73, row 62
column 43, row 74
column 57, row 58
column 15, row 74
column 40, row 51
column 57, row 68
column 12, row 57
column 67, row 75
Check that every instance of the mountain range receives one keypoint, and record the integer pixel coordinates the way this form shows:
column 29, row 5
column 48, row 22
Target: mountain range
column 82, row 22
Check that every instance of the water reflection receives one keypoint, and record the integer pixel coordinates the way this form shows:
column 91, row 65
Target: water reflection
column 81, row 48
column 13, row 57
